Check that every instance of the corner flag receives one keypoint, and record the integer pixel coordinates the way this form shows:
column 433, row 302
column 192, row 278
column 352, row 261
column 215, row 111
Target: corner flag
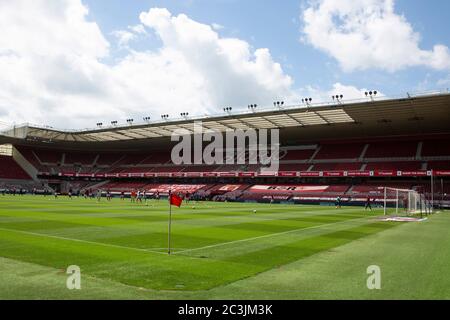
column 175, row 200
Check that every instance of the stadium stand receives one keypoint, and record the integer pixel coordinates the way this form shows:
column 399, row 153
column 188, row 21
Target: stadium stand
column 79, row 158
column 85, row 163
column 381, row 154
column 157, row 158
column 123, row 186
column 294, row 167
column 336, row 166
column 9, row 169
column 347, row 148
column 297, row 155
column 132, row 159
column 340, row 150
column 436, row 148
column 392, row 149
column 438, row 165
column 48, row 156
column 403, row 166
column 108, row 159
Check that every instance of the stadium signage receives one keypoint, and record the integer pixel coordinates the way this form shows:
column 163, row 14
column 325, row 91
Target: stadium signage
column 230, row 187
column 414, row 173
column 193, row 174
column 333, row 174
column 326, row 174
column 178, row 174
column 287, row 174
column 359, row 173
column 387, row 173
column 247, row 174
column 240, row 147
column 309, row 174
column 287, row 189
column 209, row 174
column 227, row 174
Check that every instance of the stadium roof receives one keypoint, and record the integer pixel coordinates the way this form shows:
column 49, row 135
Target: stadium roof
column 370, row 111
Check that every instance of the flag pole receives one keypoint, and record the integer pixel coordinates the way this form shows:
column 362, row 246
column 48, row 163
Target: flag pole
column 170, row 221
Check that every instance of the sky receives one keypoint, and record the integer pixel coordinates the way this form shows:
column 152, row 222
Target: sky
column 74, row 63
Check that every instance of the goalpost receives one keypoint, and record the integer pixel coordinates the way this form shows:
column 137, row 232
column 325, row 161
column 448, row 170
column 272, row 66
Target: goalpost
column 405, row 202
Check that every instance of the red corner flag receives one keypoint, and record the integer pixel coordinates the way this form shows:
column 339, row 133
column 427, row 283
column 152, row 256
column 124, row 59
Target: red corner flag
column 175, row 200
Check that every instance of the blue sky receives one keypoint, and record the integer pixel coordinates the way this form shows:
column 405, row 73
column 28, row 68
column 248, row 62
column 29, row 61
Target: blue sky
column 74, row 63
column 276, row 25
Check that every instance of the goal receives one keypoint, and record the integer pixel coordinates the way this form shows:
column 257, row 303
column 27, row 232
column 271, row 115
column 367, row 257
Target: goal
column 405, row 202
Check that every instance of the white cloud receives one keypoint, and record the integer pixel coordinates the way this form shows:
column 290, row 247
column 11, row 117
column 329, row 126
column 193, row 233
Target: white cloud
column 49, row 28
column 53, row 70
column 217, row 26
column 349, row 93
column 138, row 29
column 232, row 73
column 51, row 57
column 49, row 62
column 124, row 37
column 363, row 34
column 444, row 81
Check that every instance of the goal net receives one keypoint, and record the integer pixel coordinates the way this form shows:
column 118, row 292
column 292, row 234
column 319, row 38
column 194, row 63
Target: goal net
column 404, row 202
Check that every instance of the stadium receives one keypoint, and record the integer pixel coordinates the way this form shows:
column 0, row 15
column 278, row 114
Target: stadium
column 242, row 232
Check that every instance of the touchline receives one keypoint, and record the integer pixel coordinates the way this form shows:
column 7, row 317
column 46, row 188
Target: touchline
column 240, row 147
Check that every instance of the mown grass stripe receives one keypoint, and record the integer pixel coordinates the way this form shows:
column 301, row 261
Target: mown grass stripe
column 77, row 240
column 109, row 245
column 266, row 236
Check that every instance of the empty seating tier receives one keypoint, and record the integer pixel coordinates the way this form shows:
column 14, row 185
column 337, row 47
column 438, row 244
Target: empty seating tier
column 340, row 151
column 9, row 169
column 398, row 149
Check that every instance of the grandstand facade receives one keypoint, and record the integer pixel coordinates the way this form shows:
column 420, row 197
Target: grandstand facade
column 352, row 150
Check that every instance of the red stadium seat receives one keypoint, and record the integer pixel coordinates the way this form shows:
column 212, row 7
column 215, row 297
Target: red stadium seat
column 392, row 149
column 9, row 169
column 436, row 148
column 340, row 151
column 403, row 166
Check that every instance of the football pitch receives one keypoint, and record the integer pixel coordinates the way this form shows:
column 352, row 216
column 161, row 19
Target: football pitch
column 220, row 251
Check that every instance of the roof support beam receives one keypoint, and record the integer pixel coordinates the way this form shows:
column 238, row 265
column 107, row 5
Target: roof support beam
column 296, row 120
column 320, row 116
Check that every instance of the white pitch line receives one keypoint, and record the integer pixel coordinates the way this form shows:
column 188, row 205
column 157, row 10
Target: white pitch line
column 266, row 236
column 79, row 240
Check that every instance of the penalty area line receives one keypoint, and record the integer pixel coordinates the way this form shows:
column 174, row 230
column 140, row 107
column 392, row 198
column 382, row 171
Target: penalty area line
column 79, row 240
column 270, row 235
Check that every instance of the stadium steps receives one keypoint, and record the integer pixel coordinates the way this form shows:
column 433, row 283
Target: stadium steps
column 349, row 191
column 419, row 150
column 24, row 164
column 143, row 161
column 96, row 186
column 363, row 153
column 118, row 161
column 36, row 157
column 95, row 160
column 315, row 154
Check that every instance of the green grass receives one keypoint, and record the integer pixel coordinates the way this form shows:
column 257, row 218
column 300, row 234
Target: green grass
column 221, row 250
